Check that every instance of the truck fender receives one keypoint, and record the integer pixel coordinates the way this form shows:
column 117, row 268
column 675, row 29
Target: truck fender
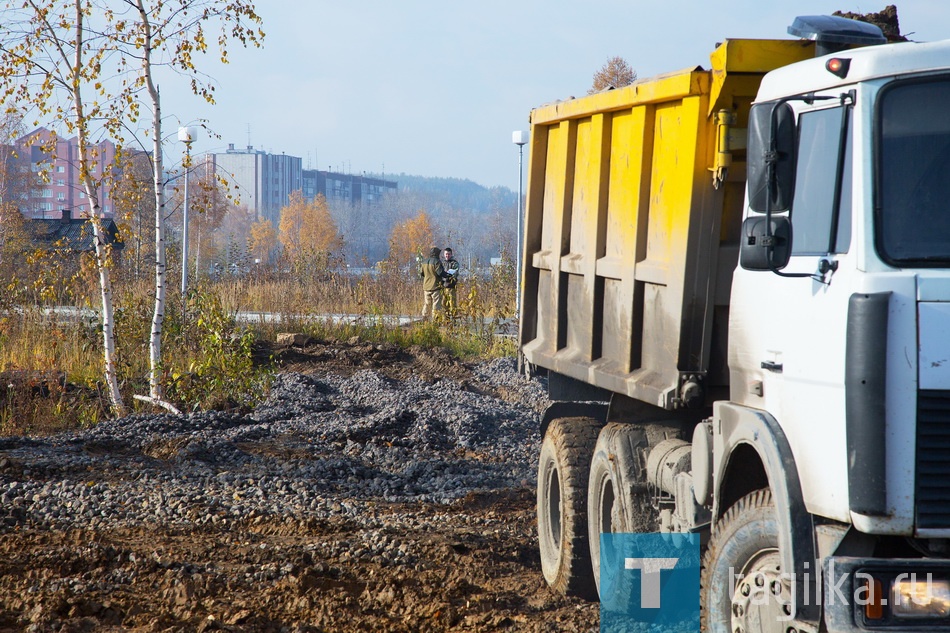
column 736, row 427
column 570, row 409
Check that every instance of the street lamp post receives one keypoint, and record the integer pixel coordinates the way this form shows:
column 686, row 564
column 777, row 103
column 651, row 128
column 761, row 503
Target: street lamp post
column 519, row 138
column 186, row 135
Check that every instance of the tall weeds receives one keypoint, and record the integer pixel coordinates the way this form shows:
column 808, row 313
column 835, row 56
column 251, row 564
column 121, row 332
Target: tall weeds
column 51, row 345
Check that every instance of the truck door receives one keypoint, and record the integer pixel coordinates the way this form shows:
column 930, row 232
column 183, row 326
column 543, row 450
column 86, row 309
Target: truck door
column 788, row 333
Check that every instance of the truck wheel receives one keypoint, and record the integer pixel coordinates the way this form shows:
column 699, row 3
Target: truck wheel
column 562, row 505
column 617, row 499
column 742, row 588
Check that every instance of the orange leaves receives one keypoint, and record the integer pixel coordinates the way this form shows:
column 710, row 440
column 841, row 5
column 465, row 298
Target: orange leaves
column 262, row 241
column 413, row 237
column 307, row 229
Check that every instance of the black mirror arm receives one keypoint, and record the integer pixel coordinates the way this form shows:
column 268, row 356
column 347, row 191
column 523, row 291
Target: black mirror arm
column 771, row 158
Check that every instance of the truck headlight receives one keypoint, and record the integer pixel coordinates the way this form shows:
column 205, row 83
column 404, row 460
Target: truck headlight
column 920, row 598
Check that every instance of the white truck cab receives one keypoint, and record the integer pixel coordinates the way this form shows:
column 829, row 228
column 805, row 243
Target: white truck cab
column 761, row 357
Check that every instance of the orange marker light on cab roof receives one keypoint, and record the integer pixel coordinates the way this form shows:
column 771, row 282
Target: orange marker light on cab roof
column 838, row 66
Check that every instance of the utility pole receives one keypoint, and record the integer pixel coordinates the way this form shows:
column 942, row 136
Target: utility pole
column 519, row 138
column 187, row 135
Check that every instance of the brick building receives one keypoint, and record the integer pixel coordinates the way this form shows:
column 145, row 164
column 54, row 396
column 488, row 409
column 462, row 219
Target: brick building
column 64, row 191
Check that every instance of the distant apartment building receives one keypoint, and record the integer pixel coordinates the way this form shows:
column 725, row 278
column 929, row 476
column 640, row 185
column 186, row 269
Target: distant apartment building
column 345, row 188
column 62, row 195
column 355, row 203
column 263, row 182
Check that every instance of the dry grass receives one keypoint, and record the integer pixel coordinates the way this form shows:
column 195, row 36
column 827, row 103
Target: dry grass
column 335, row 294
column 51, row 364
column 49, row 372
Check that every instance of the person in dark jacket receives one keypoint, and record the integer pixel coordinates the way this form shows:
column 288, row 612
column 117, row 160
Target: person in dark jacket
column 432, row 273
column 451, row 280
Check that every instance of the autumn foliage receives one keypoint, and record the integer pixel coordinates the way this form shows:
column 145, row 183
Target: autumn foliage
column 262, row 241
column 308, row 234
column 411, row 238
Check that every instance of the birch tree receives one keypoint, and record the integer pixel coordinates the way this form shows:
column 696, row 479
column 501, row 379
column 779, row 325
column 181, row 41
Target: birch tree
column 308, row 234
column 616, row 73
column 262, row 241
column 15, row 183
column 411, row 239
column 133, row 196
column 89, row 66
column 209, row 206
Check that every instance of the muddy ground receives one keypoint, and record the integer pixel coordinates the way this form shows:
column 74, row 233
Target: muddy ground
column 468, row 566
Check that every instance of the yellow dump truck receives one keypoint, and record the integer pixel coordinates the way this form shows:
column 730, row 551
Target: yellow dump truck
column 737, row 281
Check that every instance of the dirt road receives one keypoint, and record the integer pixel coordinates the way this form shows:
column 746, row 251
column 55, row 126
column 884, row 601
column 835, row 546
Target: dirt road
column 469, row 567
column 359, row 562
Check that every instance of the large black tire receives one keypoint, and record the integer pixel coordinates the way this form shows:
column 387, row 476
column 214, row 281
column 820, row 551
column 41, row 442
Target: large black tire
column 617, row 498
column 562, row 505
column 741, row 583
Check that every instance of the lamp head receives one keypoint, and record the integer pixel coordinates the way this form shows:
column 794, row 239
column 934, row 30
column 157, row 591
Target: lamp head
column 188, row 134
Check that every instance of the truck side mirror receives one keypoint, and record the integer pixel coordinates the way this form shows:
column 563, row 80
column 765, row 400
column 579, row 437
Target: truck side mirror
column 764, row 249
column 771, row 156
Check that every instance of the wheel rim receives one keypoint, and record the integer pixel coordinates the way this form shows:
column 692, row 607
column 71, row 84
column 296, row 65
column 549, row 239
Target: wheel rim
column 554, row 507
column 608, row 499
column 603, row 549
column 762, row 597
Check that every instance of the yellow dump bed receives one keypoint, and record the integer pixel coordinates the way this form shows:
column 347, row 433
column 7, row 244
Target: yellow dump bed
column 634, row 202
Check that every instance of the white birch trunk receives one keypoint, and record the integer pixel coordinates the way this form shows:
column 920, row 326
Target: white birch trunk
column 102, row 249
column 156, row 387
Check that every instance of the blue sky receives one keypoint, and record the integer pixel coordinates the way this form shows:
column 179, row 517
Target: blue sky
column 436, row 88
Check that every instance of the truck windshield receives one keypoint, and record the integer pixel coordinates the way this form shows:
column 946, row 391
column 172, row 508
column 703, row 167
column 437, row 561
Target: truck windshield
column 913, row 173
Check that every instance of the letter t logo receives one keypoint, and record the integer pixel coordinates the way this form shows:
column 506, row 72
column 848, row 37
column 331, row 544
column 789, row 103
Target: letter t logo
column 650, row 578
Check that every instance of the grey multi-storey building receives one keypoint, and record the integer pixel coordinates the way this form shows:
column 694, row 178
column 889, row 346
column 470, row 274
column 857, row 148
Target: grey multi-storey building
column 262, row 181
column 346, row 188
column 356, row 204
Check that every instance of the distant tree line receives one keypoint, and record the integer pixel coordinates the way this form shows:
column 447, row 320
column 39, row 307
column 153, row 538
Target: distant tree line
column 478, row 223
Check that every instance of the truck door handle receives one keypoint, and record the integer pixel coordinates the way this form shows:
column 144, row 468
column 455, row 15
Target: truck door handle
column 772, row 366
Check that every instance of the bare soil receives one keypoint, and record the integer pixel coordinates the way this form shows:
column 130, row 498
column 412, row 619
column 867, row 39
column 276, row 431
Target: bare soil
column 472, row 566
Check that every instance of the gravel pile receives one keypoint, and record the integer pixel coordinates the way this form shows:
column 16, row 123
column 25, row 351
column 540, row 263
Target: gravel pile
column 318, row 447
